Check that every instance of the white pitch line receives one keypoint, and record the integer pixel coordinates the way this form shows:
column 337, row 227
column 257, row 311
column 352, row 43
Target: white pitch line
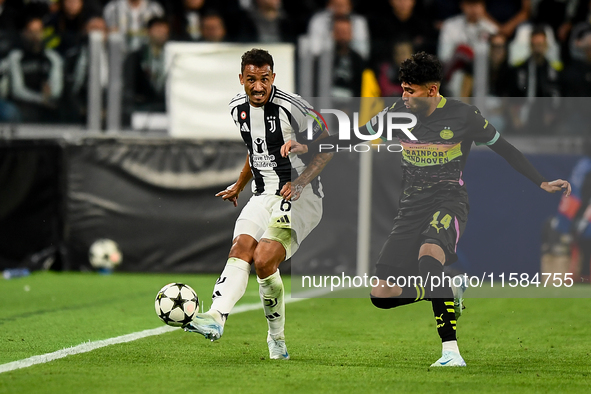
column 90, row 346
column 82, row 348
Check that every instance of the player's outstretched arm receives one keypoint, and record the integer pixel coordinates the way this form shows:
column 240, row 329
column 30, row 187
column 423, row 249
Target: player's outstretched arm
column 520, row 163
column 292, row 190
column 231, row 192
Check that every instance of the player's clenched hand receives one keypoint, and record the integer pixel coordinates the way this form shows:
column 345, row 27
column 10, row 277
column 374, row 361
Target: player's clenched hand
column 286, row 191
column 292, row 146
column 557, row 185
column 230, row 193
column 291, row 192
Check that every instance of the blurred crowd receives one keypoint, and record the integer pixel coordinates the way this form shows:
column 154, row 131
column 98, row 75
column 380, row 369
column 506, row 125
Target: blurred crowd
column 536, row 48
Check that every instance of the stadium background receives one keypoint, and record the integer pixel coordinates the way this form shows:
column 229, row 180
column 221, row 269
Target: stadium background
column 86, row 152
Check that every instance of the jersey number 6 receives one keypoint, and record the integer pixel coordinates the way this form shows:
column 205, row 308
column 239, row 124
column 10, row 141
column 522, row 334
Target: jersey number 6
column 285, row 205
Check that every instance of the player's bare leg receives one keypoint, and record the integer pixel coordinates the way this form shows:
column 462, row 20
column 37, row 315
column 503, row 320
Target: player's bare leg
column 384, row 290
column 431, row 261
column 228, row 289
column 267, row 257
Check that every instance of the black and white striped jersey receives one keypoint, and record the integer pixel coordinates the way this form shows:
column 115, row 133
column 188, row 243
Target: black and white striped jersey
column 264, row 130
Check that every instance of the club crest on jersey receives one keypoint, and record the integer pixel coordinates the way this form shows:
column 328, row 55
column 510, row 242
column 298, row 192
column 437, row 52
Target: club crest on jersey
column 259, row 145
column 446, row 133
column 243, row 115
column 272, row 124
column 244, row 128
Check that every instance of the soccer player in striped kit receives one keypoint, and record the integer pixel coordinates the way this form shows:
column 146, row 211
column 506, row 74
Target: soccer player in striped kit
column 266, row 233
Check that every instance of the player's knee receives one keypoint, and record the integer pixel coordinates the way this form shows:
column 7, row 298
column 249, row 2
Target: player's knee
column 264, row 268
column 260, row 261
column 432, row 248
column 243, row 247
column 265, row 263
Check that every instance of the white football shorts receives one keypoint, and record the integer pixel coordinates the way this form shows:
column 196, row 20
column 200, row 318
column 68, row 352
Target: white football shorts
column 264, row 214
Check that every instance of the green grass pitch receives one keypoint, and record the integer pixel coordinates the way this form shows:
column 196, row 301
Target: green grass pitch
column 337, row 345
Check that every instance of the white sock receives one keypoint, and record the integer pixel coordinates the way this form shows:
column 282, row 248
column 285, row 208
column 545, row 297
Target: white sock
column 271, row 292
column 230, row 287
column 452, row 346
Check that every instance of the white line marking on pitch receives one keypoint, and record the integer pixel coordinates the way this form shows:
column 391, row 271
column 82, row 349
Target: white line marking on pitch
column 90, row 346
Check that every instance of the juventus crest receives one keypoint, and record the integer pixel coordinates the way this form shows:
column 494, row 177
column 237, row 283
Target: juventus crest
column 272, row 123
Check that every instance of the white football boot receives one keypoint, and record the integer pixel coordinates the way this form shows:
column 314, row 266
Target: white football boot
column 207, row 324
column 277, row 349
column 450, row 359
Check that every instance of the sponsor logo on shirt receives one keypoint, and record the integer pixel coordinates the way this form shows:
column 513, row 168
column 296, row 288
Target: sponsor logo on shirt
column 428, row 154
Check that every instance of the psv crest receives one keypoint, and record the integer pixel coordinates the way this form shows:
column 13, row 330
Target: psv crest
column 446, row 133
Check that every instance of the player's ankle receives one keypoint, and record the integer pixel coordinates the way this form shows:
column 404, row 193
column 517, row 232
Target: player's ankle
column 280, row 336
column 450, row 346
column 217, row 316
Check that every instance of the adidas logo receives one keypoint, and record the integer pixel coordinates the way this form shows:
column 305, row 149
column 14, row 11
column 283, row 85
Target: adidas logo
column 284, row 219
column 245, row 128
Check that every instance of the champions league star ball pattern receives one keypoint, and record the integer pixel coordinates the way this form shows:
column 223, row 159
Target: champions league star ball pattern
column 176, row 304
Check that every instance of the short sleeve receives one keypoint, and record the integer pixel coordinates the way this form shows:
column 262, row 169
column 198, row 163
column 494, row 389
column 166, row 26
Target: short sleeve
column 234, row 113
column 480, row 130
column 303, row 114
column 233, row 107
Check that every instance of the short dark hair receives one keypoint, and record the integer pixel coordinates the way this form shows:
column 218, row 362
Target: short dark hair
column 420, row 69
column 212, row 14
column 157, row 20
column 495, row 35
column 539, row 29
column 256, row 57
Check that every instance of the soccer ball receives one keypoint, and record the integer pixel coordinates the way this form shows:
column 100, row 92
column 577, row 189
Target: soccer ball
column 176, row 304
column 104, row 254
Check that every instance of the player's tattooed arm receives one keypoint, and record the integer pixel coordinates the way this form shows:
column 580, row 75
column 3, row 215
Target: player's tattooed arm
column 231, row 192
column 293, row 190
